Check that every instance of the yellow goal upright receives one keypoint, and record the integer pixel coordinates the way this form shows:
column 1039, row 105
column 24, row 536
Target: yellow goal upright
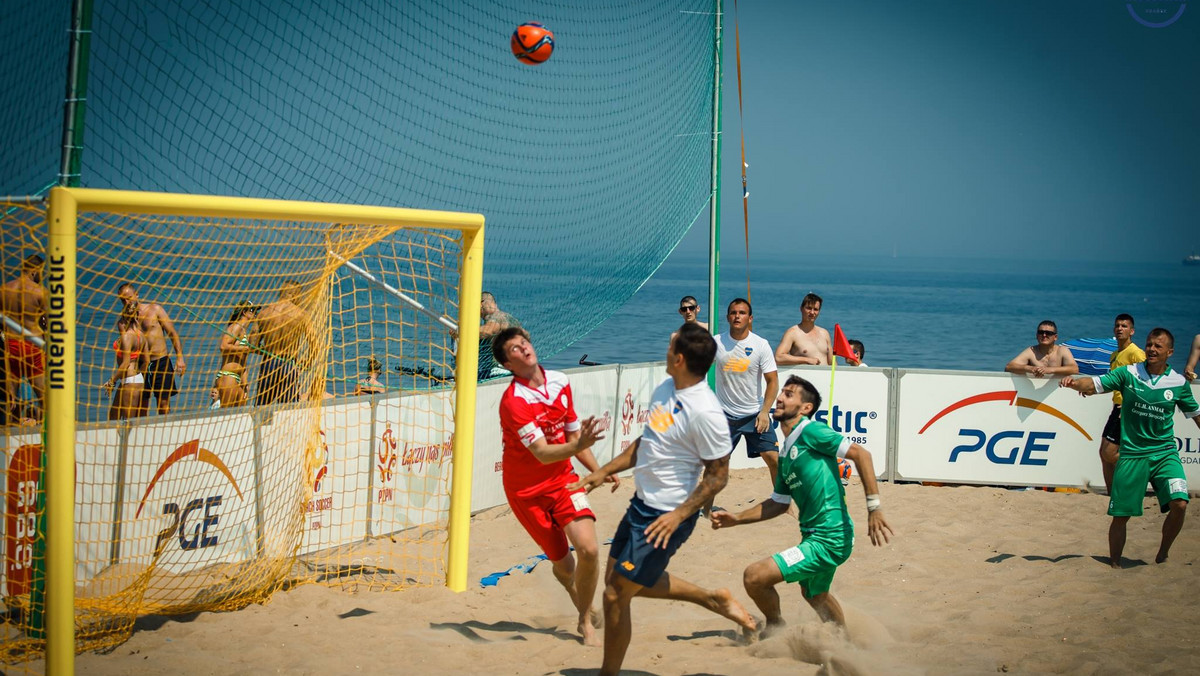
column 238, row 395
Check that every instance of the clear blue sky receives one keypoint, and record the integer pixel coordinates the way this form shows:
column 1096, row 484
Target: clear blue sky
column 1041, row 130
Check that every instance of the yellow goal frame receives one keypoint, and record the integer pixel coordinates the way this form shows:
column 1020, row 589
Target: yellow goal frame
column 64, row 206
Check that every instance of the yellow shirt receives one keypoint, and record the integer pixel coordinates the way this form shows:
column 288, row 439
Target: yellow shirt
column 1132, row 354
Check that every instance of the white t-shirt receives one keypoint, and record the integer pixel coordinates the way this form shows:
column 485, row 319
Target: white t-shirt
column 685, row 428
column 741, row 365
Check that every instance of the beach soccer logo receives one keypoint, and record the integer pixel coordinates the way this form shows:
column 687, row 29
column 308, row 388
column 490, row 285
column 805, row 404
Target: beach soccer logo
column 386, row 459
column 1008, row 446
column 1155, row 13
column 319, row 503
column 193, row 530
column 627, row 412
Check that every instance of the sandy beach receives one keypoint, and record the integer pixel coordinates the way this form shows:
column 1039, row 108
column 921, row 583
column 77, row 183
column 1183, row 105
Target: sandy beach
column 978, row 580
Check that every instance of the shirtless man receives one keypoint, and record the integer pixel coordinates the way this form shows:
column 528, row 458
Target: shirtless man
column 1189, row 371
column 281, row 330
column 494, row 320
column 805, row 343
column 689, row 309
column 23, row 301
column 157, row 327
column 1044, row 359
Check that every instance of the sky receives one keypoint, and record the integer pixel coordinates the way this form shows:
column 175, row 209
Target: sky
column 1059, row 129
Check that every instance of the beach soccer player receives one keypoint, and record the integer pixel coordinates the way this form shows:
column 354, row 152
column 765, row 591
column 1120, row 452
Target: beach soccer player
column 1150, row 392
column 157, row 327
column 808, row 474
column 680, row 463
column 806, row 343
column 23, row 302
column 744, row 361
column 1127, row 353
column 541, row 434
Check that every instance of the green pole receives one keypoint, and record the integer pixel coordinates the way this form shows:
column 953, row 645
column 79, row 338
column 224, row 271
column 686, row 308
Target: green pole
column 714, row 219
column 68, row 175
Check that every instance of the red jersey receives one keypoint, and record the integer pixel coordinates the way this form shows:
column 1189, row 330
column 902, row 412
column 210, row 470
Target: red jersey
column 527, row 414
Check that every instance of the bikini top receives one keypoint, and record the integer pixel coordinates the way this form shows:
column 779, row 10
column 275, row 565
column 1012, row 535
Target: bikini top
column 133, row 356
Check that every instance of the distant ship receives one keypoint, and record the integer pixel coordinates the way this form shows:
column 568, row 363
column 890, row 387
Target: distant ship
column 1193, row 259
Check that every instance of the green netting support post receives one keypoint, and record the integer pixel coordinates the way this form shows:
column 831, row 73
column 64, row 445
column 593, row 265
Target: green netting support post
column 714, row 219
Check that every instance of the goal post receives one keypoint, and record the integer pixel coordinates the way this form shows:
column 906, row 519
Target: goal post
column 349, row 230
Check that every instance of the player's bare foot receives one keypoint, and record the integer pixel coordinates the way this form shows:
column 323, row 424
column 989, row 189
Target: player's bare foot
column 1160, row 558
column 1114, row 563
column 588, row 632
column 771, row 628
column 724, row 604
column 597, row 618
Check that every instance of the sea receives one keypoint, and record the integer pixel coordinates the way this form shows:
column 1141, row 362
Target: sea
column 920, row 313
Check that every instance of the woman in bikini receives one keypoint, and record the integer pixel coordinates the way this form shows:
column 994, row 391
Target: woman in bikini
column 371, row 384
column 132, row 360
column 230, row 387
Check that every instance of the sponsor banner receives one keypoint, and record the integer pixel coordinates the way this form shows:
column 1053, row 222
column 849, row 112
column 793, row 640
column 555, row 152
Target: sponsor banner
column 412, row 461
column 1187, row 440
column 487, row 488
column 593, row 391
column 635, row 386
column 339, row 469
column 1001, row 430
column 190, row 493
column 288, row 440
column 858, row 410
column 22, row 456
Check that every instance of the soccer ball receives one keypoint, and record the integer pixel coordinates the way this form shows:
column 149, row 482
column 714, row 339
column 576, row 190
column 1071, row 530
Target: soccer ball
column 844, row 469
column 532, row 43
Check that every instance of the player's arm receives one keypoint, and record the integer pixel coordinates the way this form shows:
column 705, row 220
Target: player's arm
column 1189, row 371
column 1085, row 385
column 588, row 460
column 763, row 422
column 877, row 525
column 767, row 509
column 627, row 459
column 547, row 453
column 168, row 328
column 1023, row 364
column 716, row 475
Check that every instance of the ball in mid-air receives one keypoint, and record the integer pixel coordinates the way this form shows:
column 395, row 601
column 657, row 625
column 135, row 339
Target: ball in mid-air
column 532, row 43
column 844, row 468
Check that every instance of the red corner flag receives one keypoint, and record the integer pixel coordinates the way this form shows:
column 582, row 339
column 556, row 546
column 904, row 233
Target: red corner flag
column 841, row 346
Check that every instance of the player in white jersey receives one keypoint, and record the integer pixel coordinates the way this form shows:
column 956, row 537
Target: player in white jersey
column 681, row 462
column 744, row 361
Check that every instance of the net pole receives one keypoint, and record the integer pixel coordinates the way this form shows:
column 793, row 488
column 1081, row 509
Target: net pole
column 60, row 435
column 714, row 214
column 442, row 321
column 74, row 104
column 466, row 371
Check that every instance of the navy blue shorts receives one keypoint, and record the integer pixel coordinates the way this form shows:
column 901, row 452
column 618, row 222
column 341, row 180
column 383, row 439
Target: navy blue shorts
column 636, row 558
column 756, row 443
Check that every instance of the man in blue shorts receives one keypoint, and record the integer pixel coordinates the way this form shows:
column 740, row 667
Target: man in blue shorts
column 1150, row 391
column 808, row 474
column 744, row 361
column 680, row 462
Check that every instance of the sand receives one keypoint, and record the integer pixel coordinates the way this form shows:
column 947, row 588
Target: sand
column 977, row 581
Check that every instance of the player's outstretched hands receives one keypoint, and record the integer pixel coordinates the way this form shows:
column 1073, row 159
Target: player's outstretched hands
column 878, row 528
column 589, row 483
column 589, row 432
column 722, row 519
column 1066, row 381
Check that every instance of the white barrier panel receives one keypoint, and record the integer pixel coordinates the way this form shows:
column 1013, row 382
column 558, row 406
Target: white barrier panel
column 635, row 386
column 22, row 458
column 487, row 488
column 190, row 487
column 593, row 390
column 336, row 514
column 1187, row 440
column 97, row 456
column 412, row 479
column 1002, row 429
column 859, row 410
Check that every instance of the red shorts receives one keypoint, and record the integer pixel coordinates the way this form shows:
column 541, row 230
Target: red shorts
column 545, row 516
column 24, row 359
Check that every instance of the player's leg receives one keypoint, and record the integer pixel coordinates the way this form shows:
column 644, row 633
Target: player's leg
column 719, row 601
column 582, row 535
column 771, row 458
column 618, row 623
column 1110, row 447
column 1171, row 527
column 1116, row 540
column 1170, row 485
column 828, row 608
column 1125, row 501
column 760, row 579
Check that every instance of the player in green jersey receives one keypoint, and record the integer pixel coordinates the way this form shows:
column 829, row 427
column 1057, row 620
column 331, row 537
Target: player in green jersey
column 808, row 474
column 1150, row 391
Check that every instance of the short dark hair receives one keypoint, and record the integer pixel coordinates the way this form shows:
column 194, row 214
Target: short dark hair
column 1123, row 317
column 740, row 301
column 808, row 393
column 1050, row 323
column 697, row 346
column 487, row 294
column 811, row 298
column 33, row 262
column 687, row 298
column 499, row 353
column 126, row 285
column 1160, row 331
column 862, row 351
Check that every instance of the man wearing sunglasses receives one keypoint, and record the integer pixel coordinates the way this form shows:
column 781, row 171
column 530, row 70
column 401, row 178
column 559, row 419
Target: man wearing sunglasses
column 690, row 310
column 1044, row 359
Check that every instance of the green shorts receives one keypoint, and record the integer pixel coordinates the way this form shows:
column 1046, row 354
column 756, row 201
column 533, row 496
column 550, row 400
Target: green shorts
column 812, row 563
column 1163, row 471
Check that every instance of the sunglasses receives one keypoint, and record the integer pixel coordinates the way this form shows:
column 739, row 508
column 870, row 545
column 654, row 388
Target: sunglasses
column 687, row 308
column 1043, row 332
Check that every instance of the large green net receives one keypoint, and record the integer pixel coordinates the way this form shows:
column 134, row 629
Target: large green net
column 589, row 168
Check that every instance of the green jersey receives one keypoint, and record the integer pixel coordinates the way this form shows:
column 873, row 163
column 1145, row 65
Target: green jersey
column 1148, row 407
column 808, row 474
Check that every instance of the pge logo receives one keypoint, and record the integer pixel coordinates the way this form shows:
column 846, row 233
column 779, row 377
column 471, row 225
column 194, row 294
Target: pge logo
column 1155, row 13
column 199, row 536
column 1012, row 452
column 627, row 415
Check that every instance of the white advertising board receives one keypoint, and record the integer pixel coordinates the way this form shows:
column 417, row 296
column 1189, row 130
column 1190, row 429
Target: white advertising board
column 1001, row 430
column 1187, row 440
column 593, row 390
column 413, row 442
column 487, row 489
column 635, row 386
column 336, row 513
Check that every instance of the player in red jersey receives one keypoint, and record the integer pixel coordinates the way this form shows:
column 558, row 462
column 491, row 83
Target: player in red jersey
column 541, row 435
